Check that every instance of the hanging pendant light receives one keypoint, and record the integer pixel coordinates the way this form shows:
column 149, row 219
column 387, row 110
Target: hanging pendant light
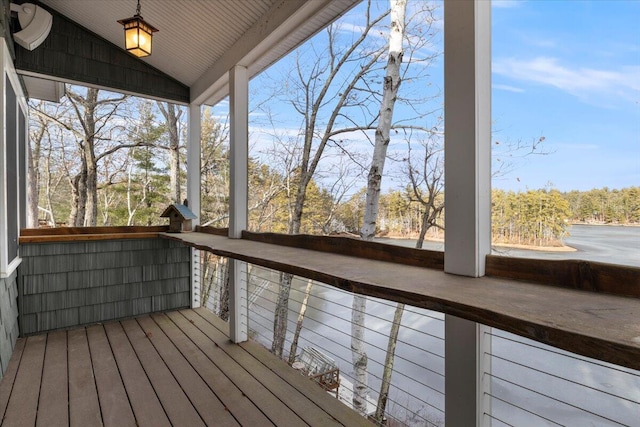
column 137, row 34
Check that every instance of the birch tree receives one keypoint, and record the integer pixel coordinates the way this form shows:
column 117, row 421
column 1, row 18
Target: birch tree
column 426, row 185
column 321, row 86
column 391, row 84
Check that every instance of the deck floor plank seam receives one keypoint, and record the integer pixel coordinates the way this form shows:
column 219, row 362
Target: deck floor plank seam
column 261, row 396
column 308, row 408
column 53, row 404
column 84, row 407
column 233, row 398
column 175, row 402
column 202, row 397
column 10, row 376
column 23, row 402
column 333, row 407
column 252, row 391
column 145, row 403
column 114, row 402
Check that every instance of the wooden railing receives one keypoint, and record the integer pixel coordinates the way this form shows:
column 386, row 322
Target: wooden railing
column 62, row 234
column 593, row 324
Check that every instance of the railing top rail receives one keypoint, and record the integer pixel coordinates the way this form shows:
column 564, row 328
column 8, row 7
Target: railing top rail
column 593, row 324
column 66, row 234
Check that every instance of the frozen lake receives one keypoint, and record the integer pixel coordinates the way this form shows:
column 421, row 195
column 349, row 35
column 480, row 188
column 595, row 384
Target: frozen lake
column 602, row 243
column 527, row 377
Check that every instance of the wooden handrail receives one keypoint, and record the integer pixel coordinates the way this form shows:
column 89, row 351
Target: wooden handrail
column 573, row 274
column 596, row 325
column 74, row 234
column 353, row 247
column 218, row 231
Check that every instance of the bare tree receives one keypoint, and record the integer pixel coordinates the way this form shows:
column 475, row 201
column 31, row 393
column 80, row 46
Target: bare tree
column 89, row 124
column 426, row 183
column 172, row 114
column 37, row 131
column 391, row 85
column 322, row 87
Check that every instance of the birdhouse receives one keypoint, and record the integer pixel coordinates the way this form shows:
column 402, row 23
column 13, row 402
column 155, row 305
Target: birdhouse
column 180, row 217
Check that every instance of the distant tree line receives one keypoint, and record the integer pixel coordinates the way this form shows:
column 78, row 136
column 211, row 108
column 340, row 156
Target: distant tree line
column 534, row 217
column 605, row 206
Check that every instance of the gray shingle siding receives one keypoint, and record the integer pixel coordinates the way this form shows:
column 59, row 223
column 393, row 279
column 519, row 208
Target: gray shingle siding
column 71, row 52
column 66, row 284
column 8, row 319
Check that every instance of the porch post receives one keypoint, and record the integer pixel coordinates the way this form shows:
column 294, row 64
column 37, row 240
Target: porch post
column 238, row 198
column 467, row 41
column 194, row 131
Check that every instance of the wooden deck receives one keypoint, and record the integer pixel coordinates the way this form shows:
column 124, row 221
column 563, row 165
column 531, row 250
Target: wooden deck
column 176, row 368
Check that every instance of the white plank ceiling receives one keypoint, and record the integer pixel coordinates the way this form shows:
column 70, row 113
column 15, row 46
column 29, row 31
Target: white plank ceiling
column 197, row 38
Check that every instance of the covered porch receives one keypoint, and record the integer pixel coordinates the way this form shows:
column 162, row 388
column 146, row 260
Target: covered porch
column 123, row 334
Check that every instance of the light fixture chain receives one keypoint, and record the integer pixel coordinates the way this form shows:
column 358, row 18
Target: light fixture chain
column 138, row 8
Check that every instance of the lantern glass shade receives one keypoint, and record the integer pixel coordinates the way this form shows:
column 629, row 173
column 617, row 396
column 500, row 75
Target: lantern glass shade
column 137, row 36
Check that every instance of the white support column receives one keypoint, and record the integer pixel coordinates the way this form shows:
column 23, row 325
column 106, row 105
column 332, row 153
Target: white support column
column 467, row 89
column 239, row 150
column 467, row 45
column 238, row 198
column 194, row 148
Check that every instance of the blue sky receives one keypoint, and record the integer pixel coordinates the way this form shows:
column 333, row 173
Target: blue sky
column 568, row 71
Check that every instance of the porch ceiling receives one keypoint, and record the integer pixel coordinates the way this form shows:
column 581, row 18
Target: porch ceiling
column 200, row 40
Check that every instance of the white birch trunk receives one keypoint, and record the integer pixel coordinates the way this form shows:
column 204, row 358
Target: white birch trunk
column 390, row 91
column 296, row 335
column 383, row 396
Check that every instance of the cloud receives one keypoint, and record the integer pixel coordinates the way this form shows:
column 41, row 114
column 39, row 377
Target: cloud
column 507, row 88
column 582, row 82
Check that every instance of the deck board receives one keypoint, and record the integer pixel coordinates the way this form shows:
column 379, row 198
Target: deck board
column 177, row 368
column 263, row 398
column 204, row 399
column 116, row 410
column 310, row 411
column 53, row 407
column 306, row 389
column 231, row 396
column 23, row 403
column 144, row 401
column 175, row 402
column 9, row 377
column 84, row 408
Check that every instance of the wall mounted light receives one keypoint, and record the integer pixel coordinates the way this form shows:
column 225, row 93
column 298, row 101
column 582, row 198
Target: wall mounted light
column 35, row 23
column 138, row 34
